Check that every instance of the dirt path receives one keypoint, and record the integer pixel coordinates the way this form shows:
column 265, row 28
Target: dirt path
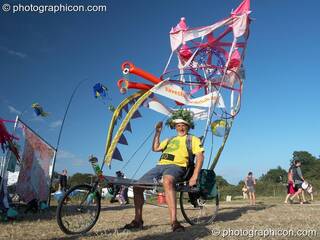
column 234, row 221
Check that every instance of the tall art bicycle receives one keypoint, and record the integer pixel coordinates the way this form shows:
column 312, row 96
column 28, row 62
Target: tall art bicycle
column 80, row 207
column 207, row 80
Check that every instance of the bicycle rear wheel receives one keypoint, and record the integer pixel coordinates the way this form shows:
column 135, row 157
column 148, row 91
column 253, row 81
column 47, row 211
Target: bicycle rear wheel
column 79, row 209
column 196, row 210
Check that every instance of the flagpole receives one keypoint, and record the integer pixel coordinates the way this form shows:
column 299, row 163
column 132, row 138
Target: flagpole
column 60, row 132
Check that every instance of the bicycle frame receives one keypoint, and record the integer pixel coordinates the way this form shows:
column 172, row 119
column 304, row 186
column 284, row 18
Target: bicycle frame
column 195, row 208
column 110, row 180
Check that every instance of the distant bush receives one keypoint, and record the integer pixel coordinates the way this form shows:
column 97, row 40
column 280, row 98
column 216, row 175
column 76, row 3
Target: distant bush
column 80, row 178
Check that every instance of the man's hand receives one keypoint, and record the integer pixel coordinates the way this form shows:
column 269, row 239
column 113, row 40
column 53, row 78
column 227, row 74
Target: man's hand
column 193, row 181
column 159, row 127
column 156, row 138
column 197, row 168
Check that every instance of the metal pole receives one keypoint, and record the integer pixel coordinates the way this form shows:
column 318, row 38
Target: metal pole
column 60, row 132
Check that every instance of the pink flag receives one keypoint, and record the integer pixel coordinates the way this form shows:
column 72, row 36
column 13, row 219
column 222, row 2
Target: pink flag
column 235, row 60
column 35, row 172
column 181, row 26
column 242, row 8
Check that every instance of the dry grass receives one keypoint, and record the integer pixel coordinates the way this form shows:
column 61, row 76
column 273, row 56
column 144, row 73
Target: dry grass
column 267, row 214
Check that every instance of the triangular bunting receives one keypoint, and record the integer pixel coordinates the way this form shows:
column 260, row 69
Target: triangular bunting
column 128, row 127
column 123, row 140
column 117, row 155
column 132, row 102
column 136, row 115
column 120, row 114
column 145, row 103
column 126, row 108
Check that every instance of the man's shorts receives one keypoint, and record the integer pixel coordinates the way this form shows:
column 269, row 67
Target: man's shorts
column 155, row 174
column 297, row 186
column 251, row 189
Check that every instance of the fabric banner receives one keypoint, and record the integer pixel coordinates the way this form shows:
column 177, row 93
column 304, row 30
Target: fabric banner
column 36, row 166
column 155, row 105
column 176, row 93
column 240, row 25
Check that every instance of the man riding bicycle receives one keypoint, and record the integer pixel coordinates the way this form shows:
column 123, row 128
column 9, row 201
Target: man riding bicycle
column 172, row 165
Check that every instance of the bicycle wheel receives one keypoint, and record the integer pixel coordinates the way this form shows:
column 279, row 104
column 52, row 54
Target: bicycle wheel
column 79, row 209
column 197, row 210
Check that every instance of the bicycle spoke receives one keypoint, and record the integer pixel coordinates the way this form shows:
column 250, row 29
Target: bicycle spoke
column 197, row 210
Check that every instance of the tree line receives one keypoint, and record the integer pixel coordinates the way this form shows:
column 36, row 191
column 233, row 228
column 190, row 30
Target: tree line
column 274, row 182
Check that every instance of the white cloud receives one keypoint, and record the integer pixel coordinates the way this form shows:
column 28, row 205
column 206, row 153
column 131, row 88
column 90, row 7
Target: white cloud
column 14, row 110
column 13, row 52
column 64, row 154
column 37, row 119
column 70, row 157
column 55, row 124
column 80, row 163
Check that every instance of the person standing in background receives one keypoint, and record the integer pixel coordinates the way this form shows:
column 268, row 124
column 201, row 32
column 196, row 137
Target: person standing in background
column 290, row 187
column 63, row 180
column 298, row 179
column 250, row 183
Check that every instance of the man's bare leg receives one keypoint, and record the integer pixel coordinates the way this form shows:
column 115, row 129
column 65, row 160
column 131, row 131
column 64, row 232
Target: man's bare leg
column 296, row 194
column 253, row 198
column 250, row 198
column 287, row 198
column 303, row 196
column 138, row 203
column 170, row 192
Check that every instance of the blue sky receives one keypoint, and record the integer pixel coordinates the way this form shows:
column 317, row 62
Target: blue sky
column 44, row 56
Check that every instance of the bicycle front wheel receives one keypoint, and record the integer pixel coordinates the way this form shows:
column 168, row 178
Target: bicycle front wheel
column 197, row 210
column 79, row 209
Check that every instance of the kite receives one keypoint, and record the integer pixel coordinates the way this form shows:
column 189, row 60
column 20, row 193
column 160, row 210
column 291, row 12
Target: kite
column 206, row 78
column 101, row 91
column 39, row 110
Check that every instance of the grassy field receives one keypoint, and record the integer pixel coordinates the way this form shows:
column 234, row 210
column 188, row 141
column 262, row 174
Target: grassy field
column 234, row 219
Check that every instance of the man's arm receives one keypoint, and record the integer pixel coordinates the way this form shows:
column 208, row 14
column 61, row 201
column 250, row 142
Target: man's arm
column 156, row 138
column 197, row 168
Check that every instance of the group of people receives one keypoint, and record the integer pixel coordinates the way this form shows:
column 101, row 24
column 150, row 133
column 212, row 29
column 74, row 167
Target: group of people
column 297, row 185
column 120, row 193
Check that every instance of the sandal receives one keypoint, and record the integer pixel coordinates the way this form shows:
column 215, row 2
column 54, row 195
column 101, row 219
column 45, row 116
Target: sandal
column 134, row 225
column 177, row 227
